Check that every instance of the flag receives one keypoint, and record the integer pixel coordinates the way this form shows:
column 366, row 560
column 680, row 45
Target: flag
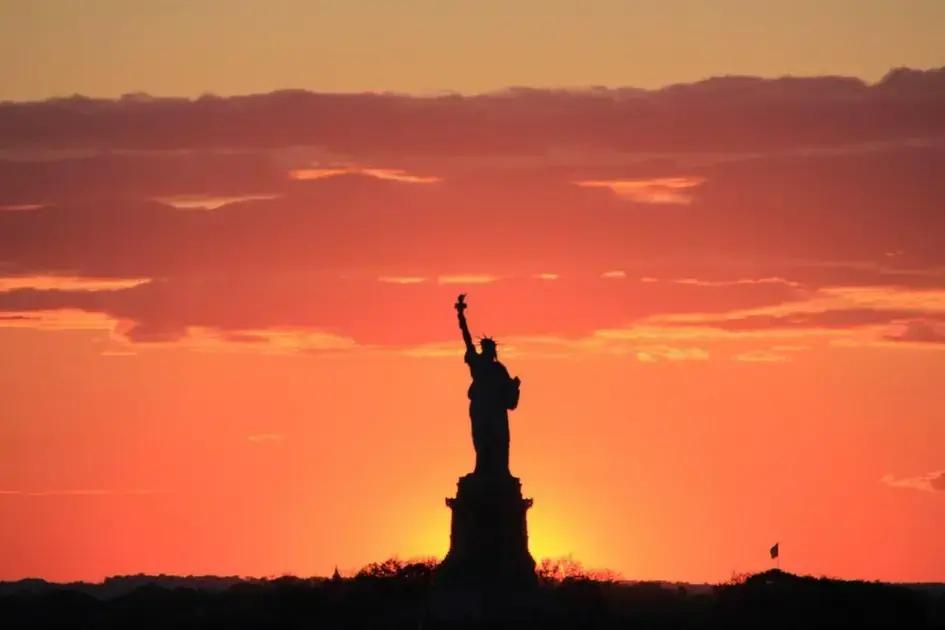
column 774, row 551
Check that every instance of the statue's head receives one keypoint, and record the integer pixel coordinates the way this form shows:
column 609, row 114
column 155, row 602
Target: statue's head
column 488, row 346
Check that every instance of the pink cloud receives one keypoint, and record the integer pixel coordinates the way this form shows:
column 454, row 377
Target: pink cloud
column 392, row 174
column 783, row 208
column 661, row 190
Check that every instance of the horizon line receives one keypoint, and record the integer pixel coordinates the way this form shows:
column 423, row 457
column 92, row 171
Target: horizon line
column 144, row 95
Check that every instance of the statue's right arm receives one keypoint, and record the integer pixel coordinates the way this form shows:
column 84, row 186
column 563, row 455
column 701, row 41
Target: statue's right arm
column 467, row 338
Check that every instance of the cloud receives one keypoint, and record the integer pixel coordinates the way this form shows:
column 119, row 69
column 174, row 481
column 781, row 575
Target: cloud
column 830, row 319
column 467, row 278
column 266, row 438
column 65, row 318
column 737, row 281
column 929, row 482
column 884, row 313
column 67, row 283
column 919, row 331
column 19, row 207
column 888, row 298
column 614, row 274
column 650, row 354
column 104, row 173
column 725, row 113
column 665, row 190
column 393, row 174
column 402, row 279
column 938, row 482
column 337, row 312
column 275, row 340
column 208, row 202
column 907, row 324
column 796, row 192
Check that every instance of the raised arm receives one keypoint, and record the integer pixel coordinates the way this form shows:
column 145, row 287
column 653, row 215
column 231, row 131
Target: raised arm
column 460, row 313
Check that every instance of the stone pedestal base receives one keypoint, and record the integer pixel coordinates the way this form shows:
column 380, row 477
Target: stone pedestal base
column 488, row 536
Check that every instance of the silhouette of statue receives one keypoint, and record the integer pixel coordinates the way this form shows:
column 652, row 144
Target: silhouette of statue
column 488, row 528
column 491, row 395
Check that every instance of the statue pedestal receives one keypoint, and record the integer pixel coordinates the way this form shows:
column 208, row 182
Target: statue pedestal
column 488, row 536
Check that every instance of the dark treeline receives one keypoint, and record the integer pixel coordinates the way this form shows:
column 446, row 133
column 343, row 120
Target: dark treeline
column 396, row 594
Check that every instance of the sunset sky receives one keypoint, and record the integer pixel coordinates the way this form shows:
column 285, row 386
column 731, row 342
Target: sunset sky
column 709, row 238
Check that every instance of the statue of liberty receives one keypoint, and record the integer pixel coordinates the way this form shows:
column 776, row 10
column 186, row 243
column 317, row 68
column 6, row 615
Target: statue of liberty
column 488, row 523
column 491, row 395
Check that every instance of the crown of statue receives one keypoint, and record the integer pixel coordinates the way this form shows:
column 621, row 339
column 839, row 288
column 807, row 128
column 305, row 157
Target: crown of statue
column 487, row 341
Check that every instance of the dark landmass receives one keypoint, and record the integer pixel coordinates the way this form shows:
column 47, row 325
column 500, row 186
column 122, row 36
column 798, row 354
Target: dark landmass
column 395, row 594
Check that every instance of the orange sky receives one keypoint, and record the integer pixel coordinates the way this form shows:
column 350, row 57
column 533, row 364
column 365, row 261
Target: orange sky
column 227, row 323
